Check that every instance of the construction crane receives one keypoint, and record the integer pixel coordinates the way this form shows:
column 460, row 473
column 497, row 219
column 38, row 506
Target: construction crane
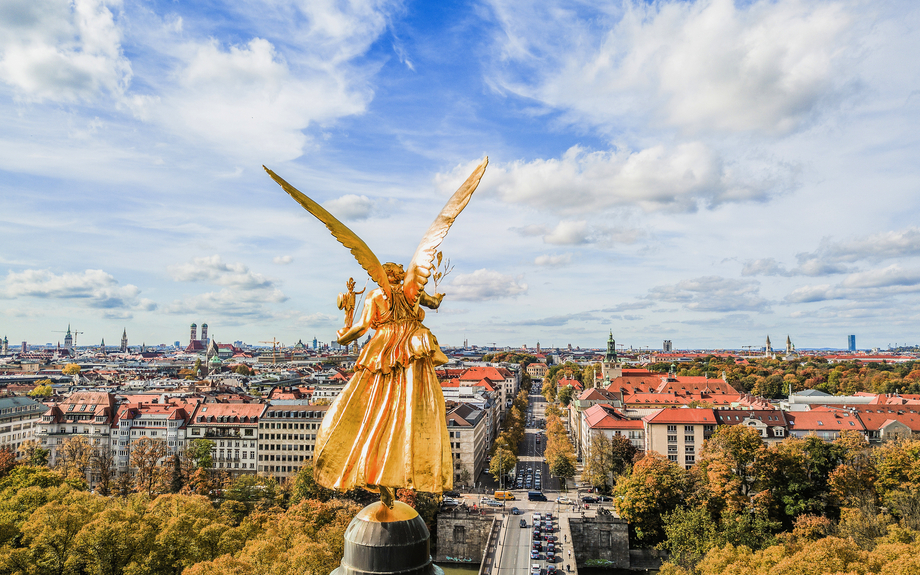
column 274, row 343
column 73, row 332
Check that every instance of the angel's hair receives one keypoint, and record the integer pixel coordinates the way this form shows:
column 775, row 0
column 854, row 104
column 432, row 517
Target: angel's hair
column 395, row 271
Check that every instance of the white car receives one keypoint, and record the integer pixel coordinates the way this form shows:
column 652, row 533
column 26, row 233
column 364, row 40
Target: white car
column 450, row 501
column 564, row 500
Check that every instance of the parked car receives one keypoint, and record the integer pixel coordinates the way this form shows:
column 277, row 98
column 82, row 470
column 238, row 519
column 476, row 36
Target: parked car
column 534, row 554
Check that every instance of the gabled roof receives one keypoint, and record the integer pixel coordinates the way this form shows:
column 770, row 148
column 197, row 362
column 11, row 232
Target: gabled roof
column 596, row 394
column 688, row 416
column 603, row 416
column 837, row 420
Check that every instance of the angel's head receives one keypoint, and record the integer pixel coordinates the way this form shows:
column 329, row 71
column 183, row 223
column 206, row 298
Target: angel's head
column 395, row 273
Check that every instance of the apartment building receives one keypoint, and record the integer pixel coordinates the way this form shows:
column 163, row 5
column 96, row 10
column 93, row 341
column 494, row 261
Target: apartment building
column 287, row 436
column 604, row 420
column 467, row 430
column 19, row 418
column 88, row 414
column 166, row 422
column 679, row 433
column 233, row 427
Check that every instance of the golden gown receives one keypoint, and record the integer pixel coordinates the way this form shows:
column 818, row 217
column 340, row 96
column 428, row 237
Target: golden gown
column 388, row 425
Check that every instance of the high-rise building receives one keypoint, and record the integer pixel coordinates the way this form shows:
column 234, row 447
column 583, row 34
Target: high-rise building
column 851, row 343
column 667, row 346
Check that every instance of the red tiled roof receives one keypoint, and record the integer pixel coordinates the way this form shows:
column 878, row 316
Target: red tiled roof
column 698, row 415
column 823, row 421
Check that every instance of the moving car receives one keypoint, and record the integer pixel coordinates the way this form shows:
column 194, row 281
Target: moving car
column 516, row 511
column 589, row 499
column 564, row 500
column 450, row 502
column 523, row 523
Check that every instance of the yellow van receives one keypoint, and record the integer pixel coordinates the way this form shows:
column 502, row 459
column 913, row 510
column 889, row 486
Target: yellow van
column 504, row 496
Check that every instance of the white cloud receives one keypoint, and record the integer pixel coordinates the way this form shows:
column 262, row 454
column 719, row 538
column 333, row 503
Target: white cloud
column 713, row 293
column 351, row 207
column 831, row 256
column 568, row 233
column 553, row 260
column 893, row 275
column 230, row 303
column 282, row 260
column 484, row 284
column 764, row 66
column 214, row 270
column 62, row 50
column 681, row 178
column 807, row 294
column 247, row 101
column 95, row 288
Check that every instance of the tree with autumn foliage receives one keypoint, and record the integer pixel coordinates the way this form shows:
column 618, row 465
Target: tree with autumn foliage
column 655, row 487
column 146, row 457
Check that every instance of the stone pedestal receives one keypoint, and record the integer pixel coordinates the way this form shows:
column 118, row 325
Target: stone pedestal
column 381, row 541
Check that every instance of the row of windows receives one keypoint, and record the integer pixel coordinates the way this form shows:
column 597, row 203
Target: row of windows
column 272, row 425
column 288, row 436
column 287, row 447
column 271, row 457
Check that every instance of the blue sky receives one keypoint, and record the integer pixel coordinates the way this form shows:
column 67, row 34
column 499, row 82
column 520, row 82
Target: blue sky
column 707, row 172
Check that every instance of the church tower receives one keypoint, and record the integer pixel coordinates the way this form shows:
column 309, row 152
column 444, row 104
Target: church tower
column 611, row 367
column 768, row 350
column 124, row 341
column 790, row 349
column 194, row 332
column 204, row 333
column 6, row 346
column 68, row 339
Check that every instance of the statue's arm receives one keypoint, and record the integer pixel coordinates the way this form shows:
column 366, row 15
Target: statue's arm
column 431, row 302
column 346, row 336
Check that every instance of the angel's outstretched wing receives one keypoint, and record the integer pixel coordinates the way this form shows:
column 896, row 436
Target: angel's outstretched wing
column 420, row 266
column 340, row 231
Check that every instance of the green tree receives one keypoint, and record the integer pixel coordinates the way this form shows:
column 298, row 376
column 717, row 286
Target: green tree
column 503, row 461
column 655, row 487
column 599, row 463
column 199, row 451
column 565, row 395
column 562, row 466
column 306, row 487
column 622, row 454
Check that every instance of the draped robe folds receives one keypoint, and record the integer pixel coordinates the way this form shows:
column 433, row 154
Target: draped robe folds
column 387, row 427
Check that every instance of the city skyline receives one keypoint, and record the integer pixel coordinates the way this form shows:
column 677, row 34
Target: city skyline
column 701, row 172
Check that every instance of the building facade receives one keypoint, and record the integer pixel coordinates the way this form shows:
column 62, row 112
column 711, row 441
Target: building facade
column 287, row 437
column 233, row 427
column 19, row 419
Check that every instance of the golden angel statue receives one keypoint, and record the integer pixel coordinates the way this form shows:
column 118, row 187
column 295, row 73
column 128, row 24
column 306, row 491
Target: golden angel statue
column 346, row 301
column 387, row 428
